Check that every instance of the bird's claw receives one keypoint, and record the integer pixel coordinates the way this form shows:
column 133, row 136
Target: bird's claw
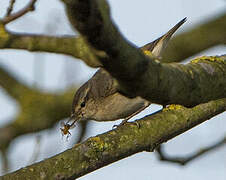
column 124, row 122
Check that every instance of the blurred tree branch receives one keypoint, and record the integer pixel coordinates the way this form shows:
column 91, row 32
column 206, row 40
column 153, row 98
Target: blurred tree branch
column 68, row 45
column 10, row 8
column 109, row 147
column 13, row 16
column 38, row 110
column 187, row 159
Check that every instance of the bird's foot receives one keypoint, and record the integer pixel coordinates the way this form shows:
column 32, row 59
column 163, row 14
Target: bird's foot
column 126, row 121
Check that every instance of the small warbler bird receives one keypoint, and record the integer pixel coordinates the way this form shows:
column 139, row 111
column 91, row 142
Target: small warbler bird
column 98, row 99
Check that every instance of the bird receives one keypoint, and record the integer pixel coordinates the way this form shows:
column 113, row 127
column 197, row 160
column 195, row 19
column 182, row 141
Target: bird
column 98, row 99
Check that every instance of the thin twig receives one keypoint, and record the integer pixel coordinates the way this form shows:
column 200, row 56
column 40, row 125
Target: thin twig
column 185, row 160
column 10, row 8
column 26, row 9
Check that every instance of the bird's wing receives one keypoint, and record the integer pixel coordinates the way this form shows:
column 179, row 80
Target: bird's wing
column 103, row 84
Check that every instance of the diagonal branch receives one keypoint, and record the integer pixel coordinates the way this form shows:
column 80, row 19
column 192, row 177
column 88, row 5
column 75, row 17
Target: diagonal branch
column 185, row 160
column 104, row 149
column 11, row 85
column 10, row 8
column 138, row 75
column 11, row 17
column 38, row 110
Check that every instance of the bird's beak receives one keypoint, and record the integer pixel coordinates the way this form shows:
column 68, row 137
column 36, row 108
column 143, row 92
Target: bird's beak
column 74, row 119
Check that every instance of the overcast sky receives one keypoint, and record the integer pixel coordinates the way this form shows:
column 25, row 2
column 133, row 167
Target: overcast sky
column 140, row 22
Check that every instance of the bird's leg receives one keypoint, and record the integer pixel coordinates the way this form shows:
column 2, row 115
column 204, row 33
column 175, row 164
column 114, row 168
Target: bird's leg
column 124, row 121
column 164, row 106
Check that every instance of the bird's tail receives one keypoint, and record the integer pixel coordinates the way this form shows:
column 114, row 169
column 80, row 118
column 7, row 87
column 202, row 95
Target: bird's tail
column 156, row 47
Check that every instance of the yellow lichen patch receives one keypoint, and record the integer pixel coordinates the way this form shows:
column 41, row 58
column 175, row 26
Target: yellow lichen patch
column 97, row 139
column 173, row 107
column 208, row 58
column 148, row 53
column 97, row 143
column 96, row 147
column 152, row 56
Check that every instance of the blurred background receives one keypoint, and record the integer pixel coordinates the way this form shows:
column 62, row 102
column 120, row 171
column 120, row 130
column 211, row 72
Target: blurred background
column 140, row 22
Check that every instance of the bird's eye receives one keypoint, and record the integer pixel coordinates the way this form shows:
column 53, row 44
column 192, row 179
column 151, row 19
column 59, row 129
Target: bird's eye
column 82, row 104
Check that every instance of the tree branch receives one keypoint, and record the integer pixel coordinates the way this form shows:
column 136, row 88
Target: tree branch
column 76, row 47
column 11, row 17
column 119, row 143
column 11, row 85
column 67, row 45
column 186, row 160
column 138, row 75
column 10, row 8
column 38, row 110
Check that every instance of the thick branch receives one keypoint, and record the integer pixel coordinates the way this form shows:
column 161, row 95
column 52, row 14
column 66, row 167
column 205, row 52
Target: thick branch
column 139, row 75
column 68, row 45
column 122, row 142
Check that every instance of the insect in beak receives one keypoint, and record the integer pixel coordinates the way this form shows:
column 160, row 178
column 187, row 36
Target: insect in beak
column 65, row 127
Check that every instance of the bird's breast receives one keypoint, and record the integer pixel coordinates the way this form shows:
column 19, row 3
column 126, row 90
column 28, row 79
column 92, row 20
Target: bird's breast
column 117, row 106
